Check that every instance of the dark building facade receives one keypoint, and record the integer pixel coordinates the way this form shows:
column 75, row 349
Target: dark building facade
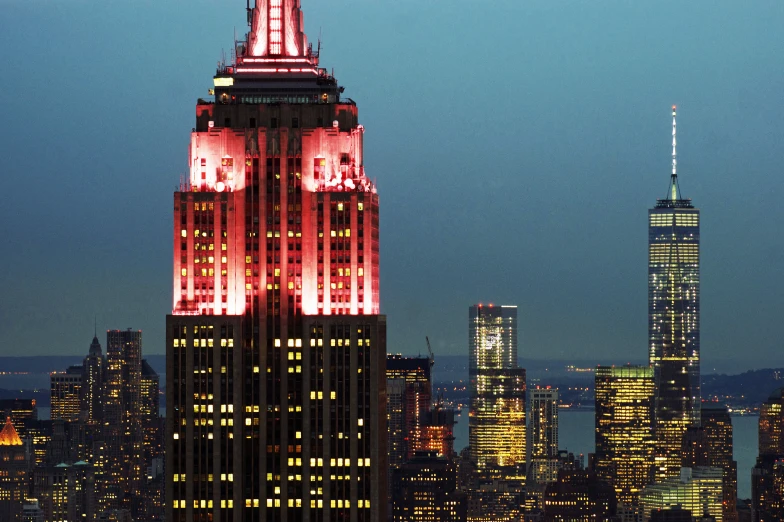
column 674, row 318
column 276, row 356
column 425, row 489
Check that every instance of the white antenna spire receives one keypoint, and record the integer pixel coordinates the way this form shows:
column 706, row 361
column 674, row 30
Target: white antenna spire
column 674, row 180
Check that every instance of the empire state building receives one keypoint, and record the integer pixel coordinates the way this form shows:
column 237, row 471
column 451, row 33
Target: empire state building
column 275, row 347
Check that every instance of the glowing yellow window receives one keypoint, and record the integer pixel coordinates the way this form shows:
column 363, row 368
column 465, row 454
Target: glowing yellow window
column 184, row 272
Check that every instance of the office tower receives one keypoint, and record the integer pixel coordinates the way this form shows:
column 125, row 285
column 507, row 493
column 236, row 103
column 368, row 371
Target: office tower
column 92, row 382
column 20, row 411
column 543, row 423
column 424, row 489
column 66, row 394
column 579, row 495
column 13, row 473
column 409, row 394
column 698, row 490
column 674, row 318
column 438, row 433
column 771, row 424
column 767, row 476
column 496, row 428
column 717, row 425
column 624, row 429
column 66, row 491
column 123, row 469
column 150, row 411
column 276, row 356
column 542, row 459
column 767, row 489
column 497, row 499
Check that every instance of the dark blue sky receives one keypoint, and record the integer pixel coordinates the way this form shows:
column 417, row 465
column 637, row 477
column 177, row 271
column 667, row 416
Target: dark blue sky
column 516, row 145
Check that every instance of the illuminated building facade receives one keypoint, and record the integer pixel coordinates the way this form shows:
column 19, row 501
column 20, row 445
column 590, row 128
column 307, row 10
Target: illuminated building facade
column 771, row 424
column 124, row 466
column 716, row 424
column 496, row 427
column 13, row 473
column 409, row 394
column 543, row 423
column 21, row 411
column 767, row 476
column 438, row 432
column 624, row 429
column 66, row 492
column 698, row 490
column 66, row 394
column 579, row 495
column 150, row 411
column 276, row 356
column 92, row 383
column 674, row 319
column 425, row 490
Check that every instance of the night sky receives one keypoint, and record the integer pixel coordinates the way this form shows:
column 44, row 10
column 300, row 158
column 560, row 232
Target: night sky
column 517, row 146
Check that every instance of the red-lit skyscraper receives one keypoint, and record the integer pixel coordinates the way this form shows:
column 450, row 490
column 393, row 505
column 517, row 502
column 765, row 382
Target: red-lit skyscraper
column 275, row 349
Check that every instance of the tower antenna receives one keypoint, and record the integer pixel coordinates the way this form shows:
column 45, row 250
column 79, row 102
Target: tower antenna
column 250, row 13
column 674, row 176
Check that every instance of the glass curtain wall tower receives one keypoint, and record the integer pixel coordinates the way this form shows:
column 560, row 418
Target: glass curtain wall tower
column 276, row 350
column 497, row 414
column 674, row 318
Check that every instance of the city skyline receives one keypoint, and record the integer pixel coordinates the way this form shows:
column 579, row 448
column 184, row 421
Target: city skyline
column 625, row 135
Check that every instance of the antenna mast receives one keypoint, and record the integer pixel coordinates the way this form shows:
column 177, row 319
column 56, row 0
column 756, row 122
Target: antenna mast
column 674, row 178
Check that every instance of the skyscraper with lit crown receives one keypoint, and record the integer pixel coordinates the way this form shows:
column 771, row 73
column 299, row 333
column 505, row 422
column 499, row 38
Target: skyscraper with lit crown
column 496, row 423
column 275, row 346
column 674, row 318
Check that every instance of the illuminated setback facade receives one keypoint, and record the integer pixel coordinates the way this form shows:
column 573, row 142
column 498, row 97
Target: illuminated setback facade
column 674, row 319
column 624, row 429
column 496, row 428
column 698, row 490
column 65, row 392
column 276, row 350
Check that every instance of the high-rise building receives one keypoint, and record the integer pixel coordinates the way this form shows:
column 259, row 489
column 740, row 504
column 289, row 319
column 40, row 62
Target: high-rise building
column 150, row 411
column 624, row 429
column 425, row 490
column 65, row 491
column 771, row 424
column 409, row 394
column 21, row 411
column 276, row 352
column 66, row 394
column 543, row 462
column 32, row 512
column 716, row 423
column 13, row 473
column 579, row 495
column 92, row 382
column 496, row 428
column 698, row 490
column 121, row 478
column 767, row 476
column 674, row 318
column 543, row 422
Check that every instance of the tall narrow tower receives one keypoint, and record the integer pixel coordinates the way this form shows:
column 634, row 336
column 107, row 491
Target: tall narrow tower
column 674, row 318
column 276, row 351
column 496, row 423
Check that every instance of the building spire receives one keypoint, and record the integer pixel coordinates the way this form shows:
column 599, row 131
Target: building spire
column 674, row 176
column 276, row 29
